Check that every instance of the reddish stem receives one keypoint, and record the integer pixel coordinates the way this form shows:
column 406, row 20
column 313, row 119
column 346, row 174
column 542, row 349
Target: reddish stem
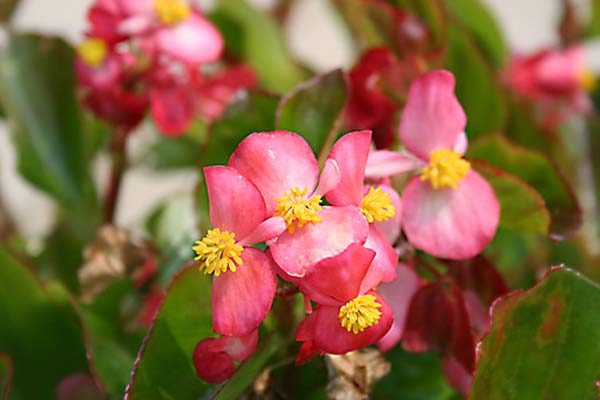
column 118, row 167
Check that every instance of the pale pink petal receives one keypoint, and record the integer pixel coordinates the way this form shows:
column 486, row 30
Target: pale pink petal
column 136, row 25
column 242, row 299
column 133, row 7
column 276, row 162
column 384, row 163
column 338, row 279
column 383, row 267
column 340, row 227
column 461, row 144
column 398, row 294
column 391, row 227
column 350, row 152
column 432, row 118
column 330, row 177
column 267, row 230
column 450, row 223
column 194, row 41
column 331, row 337
column 235, row 203
column 558, row 71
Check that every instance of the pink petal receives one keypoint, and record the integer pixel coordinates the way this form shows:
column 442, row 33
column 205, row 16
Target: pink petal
column 340, row 227
column 194, row 41
column 213, row 367
column 330, row 177
column 450, row 223
column 172, row 109
column 432, row 118
column 384, row 163
column 103, row 76
column 383, row 267
column 461, row 144
column 276, row 162
column 338, row 279
column 398, row 294
column 391, row 227
column 331, row 337
column 132, row 7
column 235, row 203
column 457, row 376
column 242, row 299
column 267, row 230
column 350, row 152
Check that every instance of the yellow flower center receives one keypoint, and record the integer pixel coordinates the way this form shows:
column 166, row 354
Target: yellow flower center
column 360, row 313
column 377, row 205
column 446, row 168
column 171, row 12
column 297, row 210
column 93, row 51
column 587, row 80
column 217, row 252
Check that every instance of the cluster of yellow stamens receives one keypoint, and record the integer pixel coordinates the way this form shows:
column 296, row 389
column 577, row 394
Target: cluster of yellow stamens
column 587, row 80
column 171, row 12
column 360, row 313
column 446, row 169
column 377, row 205
column 218, row 252
column 93, row 51
column 297, row 210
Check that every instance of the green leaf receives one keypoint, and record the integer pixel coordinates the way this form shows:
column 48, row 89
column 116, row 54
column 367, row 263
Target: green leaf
column 593, row 28
column 543, row 343
column 164, row 367
column 6, row 375
column 262, row 42
column 474, row 16
column 521, row 207
column 313, row 109
column 537, row 170
column 413, row 377
column 37, row 89
column 251, row 113
column 41, row 331
column 477, row 86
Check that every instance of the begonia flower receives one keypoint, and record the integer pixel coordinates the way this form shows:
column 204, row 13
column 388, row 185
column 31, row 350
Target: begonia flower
column 349, row 314
column 244, row 282
column 448, row 210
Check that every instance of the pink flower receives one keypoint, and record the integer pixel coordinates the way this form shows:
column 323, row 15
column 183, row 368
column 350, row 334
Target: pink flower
column 349, row 315
column 448, row 210
column 173, row 28
column 244, row 282
column 214, row 357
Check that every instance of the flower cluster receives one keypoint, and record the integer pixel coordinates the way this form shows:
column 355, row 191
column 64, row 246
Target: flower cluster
column 148, row 54
column 331, row 231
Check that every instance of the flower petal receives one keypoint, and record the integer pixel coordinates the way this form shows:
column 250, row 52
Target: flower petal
column 350, row 152
column 391, row 227
column 398, row 294
column 172, row 109
column 276, row 162
column 450, row 223
column 330, row 177
column 235, row 203
column 432, row 118
column 242, row 299
column 331, row 337
column 383, row 267
column 340, row 227
column 194, row 41
column 265, row 231
column 384, row 163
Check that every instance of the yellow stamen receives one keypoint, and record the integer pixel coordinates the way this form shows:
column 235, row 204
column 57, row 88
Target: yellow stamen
column 446, row 168
column 217, row 252
column 377, row 205
column 360, row 313
column 587, row 80
column 171, row 12
column 297, row 210
column 93, row 51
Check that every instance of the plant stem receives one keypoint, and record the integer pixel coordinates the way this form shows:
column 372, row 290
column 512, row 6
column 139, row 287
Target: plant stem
column 118, row 153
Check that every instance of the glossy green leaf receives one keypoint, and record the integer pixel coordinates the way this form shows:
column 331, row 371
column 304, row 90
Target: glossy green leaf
column 477, row 85
column 313, row 109
column 537, row 170
column 6, row 375
column 41, row 331
column 543, row 343
column 254, row 112
column 521, row 207
column 262, row 44
column 37, row 89
column 474, row 16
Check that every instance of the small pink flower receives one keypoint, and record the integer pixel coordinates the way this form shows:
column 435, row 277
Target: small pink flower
column 448, row 210
column 244, row 282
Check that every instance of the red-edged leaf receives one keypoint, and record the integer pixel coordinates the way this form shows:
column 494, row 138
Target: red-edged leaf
column 78, row 387
column 6, row 375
